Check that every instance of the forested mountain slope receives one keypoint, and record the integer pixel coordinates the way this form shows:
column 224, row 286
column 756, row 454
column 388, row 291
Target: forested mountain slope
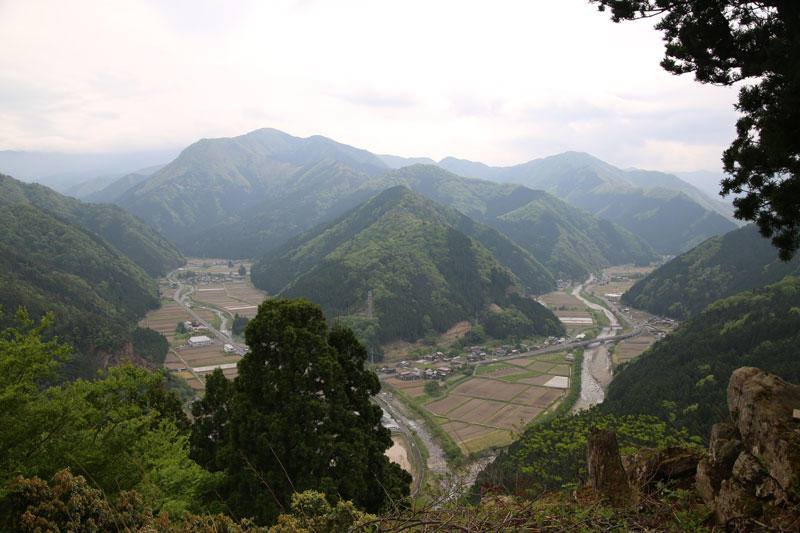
column 426, row 265
column 720, row 267
column 242, row 196
column 670, row 215
column 96, row 293
column 220, row 183
column 684, row 376
column 569, row 241
column 152, row 252
column 119, row 186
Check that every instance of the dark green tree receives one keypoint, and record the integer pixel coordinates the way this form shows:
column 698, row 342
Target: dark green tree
column 299, row 417
column 727, row 41
column 242, row 270
column 239, row 323
column 150, row 345
column 211, row 415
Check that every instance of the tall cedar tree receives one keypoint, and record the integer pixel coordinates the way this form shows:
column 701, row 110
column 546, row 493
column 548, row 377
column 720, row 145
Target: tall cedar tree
column 726, row 41
column 297, row 417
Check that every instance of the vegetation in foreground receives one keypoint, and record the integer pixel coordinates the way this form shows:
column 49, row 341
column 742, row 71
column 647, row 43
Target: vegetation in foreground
column 285, row 424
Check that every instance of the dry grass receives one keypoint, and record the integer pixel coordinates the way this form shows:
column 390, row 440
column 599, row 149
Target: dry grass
column 632, row 348
column 489, row 388
column 561, row 300
column 443, row 407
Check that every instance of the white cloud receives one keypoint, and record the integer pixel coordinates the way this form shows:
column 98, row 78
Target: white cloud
column 502, row 82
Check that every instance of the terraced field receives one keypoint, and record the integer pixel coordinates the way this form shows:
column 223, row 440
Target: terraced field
column 233, row 297
column 499, row 399
column 632, row 348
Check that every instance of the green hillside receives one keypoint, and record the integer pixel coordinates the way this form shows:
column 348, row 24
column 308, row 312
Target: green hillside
column 737, row 261
column 152, row 252
column 239, row 197
column 425, row 273
column 216, row 183
column 569, row 241
column 671, row 215
column 685, row 375
column 96, row 293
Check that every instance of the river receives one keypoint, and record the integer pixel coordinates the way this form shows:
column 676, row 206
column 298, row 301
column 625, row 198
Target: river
column 596, row 372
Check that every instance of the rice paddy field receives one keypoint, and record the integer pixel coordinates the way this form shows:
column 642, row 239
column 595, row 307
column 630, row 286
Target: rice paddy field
column 561, row 300
column 236, row 297
column 488, row 408
column 233, row 294
column 632, row 348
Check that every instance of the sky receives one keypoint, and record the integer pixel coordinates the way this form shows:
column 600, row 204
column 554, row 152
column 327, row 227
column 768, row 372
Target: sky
column 500, row 82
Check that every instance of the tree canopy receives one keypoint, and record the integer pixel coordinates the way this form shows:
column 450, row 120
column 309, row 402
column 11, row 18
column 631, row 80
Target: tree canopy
column 298, row 416
column 727, row 41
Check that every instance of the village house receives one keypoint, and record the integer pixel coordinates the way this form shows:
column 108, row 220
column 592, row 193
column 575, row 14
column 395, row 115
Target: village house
column 200, row 340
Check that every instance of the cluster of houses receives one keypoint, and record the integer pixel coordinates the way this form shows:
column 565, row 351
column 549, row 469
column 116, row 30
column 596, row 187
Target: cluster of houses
column 217, row 278
column 549, row 341
column 194, row 325
column 429, row 373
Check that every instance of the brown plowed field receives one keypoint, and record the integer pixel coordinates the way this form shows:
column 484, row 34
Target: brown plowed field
column 538, row 380
column 532, row 396
column 548, row 397
column 206, row 355
column 442, row 407
column 541, row 366
column 476, row 411
column 513, row 416
column 630, row 348
column 464, row 431
column 573, row 314
column 559, row 299
column 489, row 388
column 165, row 319
column 508, row 371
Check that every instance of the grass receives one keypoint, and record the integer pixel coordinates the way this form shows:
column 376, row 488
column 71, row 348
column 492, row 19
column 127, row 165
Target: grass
column 491, row 367
column 498, row 437
column 515, row 377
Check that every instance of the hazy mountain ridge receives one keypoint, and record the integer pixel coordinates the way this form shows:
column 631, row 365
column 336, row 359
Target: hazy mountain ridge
column 130, row 235
column 221, row 181
column 61, row 170
column 424, row 272
column 720, row 267
column 241, row 196
column 616, row 195
column 567, row 240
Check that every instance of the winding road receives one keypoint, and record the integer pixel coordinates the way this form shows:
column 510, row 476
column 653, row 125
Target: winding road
column 240, row 348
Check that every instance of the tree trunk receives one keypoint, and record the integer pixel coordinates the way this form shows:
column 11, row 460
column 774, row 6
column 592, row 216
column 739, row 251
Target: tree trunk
column 606, row 475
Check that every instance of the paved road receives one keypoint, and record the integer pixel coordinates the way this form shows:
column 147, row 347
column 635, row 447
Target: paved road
column 403, row 423
column 240, row 348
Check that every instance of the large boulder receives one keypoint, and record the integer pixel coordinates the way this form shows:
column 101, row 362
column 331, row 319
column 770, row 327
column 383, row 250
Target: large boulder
column 752, row 470
column 762, row 407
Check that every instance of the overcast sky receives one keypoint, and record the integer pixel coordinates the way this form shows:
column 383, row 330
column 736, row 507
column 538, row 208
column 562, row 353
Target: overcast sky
column 499, row 82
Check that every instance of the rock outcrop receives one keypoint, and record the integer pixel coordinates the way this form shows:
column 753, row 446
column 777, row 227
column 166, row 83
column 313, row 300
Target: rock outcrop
column 649, row 466
column 751, row 476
